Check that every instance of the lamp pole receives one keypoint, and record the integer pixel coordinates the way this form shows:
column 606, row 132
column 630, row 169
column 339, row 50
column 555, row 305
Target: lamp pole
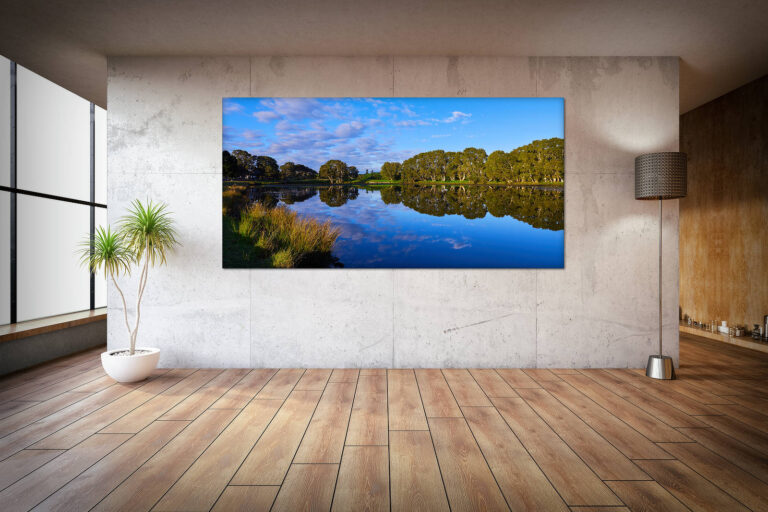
column 661, row 176
column 661, row 233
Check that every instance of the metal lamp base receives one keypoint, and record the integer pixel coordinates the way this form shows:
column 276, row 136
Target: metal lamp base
column 660, row 367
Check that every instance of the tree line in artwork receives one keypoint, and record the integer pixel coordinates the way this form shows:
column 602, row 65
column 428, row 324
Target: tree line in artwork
column 241, row 164
column 541, row 161
column 540, row 207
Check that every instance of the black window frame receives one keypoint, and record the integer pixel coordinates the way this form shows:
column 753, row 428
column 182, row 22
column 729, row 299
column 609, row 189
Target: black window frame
column 15, row 192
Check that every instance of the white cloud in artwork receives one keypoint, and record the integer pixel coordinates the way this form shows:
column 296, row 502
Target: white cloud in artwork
column 410, row 123
column 251, row 134
column 348, row 130
column 456, row 116
column 265, row 116
column 457, row 244
column 405, row 109
column 231, row 107
column 249, row 140
column 297, row 109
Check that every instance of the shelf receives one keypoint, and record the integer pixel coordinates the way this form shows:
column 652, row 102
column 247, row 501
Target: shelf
column 741, row 341
column 52, row 323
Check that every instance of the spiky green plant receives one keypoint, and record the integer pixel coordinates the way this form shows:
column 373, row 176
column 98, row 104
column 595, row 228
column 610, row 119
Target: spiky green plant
column 146, row 236
column 148, row 231
column 106, row 250
column 149, row 234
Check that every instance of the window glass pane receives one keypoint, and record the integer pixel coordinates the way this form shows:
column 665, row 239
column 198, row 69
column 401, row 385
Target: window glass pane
column 51, row 280
column 53, row 138
column 100, row 295
column 5, row 122
column 5, row 257
column 100, row 151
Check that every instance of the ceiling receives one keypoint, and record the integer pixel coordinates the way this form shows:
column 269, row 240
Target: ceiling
column 722, row 44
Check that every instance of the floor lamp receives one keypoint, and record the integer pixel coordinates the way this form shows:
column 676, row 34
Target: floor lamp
column 661, row 176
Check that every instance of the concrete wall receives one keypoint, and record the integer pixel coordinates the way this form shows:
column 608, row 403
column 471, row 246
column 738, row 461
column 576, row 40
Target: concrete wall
column 164, row 142
column 723, row 230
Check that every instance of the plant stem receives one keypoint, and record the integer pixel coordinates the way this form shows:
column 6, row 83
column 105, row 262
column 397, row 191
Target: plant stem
column 125, row 306
column 142, row 285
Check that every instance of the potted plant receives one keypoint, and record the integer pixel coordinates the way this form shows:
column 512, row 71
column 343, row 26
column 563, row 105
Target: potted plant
column 144, row 237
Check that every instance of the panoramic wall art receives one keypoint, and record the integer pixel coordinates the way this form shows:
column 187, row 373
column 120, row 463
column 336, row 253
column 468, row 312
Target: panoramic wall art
column 393, row 183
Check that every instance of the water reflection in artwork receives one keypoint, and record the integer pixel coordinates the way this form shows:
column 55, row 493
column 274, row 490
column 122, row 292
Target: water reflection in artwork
column 436, row 226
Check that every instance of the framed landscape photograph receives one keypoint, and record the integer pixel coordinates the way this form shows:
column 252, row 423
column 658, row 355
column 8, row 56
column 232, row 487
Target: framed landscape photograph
column 393, row 183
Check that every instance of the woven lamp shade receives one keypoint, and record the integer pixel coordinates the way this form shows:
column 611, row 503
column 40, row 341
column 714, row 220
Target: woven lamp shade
column 661, row 176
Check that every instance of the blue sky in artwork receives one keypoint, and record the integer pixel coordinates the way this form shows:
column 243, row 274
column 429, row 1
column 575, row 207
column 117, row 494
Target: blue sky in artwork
column 366, row 132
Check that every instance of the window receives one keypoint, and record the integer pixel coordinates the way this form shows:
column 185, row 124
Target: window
column 52, row 196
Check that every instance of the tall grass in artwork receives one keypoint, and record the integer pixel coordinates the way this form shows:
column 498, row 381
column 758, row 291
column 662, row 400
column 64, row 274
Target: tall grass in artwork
column 275, row 237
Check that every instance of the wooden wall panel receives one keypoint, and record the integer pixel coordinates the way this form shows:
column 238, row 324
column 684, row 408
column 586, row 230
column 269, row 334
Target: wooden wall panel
column 724, row 219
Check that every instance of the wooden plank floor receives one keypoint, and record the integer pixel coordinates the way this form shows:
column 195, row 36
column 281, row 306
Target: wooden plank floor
column 402, row 440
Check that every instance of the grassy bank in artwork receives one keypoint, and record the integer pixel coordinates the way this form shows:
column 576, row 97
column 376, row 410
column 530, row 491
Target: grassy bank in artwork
column 258, row 236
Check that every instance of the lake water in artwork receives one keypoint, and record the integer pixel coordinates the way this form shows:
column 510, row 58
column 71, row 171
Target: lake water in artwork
column 440, row 226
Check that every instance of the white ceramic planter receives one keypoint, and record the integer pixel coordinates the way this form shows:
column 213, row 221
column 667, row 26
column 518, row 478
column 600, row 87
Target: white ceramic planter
column 130, row 368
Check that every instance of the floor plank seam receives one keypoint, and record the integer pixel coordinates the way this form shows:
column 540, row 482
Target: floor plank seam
column 84, row 470
column 651, row 414
column 29, row 473
column 214, row 439
column 262, row 434
column 215, row 400
column 431, row 439
column 152, row 398
column 68, row 424
column 736, row 498
column 189, row 423
column 609, row 412
column 46, row 416
column 569, row 446
column 309, row 422
column 506, row 500
column 531, row 456
column 344, row 444
column 91, row 363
